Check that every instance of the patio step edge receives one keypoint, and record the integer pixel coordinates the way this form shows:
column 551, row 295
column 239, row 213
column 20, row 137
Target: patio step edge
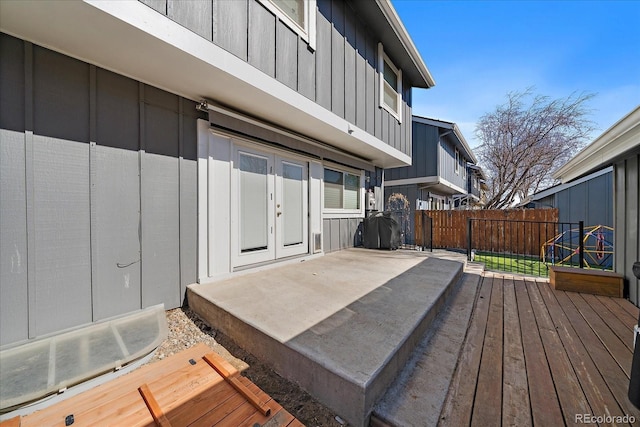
column 417, row 395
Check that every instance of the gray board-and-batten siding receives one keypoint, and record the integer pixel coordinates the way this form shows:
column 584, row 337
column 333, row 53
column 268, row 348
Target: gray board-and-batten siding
column 590, row 201
column 432, row 155
column 98, row 193
column 340, row 233
column 340, row 74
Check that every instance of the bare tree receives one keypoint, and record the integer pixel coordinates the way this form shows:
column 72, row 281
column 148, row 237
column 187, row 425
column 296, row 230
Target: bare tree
column 526, row 138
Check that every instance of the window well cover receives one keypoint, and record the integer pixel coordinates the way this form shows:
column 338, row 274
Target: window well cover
column 31, row 371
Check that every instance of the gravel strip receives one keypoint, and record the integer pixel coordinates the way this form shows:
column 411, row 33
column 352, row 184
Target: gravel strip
column 186, row 329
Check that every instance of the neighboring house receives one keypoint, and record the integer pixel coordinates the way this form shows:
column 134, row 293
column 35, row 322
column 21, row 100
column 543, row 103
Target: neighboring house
column 476, row 196
column 618, row 147
column 437, row 177
column 147, row 145
column 588, row 199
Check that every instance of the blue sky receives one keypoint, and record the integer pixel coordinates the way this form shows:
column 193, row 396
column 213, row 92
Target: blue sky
column 477, row 51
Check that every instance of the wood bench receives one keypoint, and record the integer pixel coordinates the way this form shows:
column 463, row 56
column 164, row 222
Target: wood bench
column 596, row 282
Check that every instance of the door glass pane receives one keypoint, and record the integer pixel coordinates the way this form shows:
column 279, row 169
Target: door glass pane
column 351, row 191
column 292, row 209
column 253, row 203
column 332, row 189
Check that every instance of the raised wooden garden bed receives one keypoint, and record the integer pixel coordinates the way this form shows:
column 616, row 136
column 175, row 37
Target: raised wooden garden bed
column 595, row 282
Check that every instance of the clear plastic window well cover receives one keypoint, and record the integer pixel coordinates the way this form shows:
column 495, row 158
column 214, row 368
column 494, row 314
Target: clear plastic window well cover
column 33, row 370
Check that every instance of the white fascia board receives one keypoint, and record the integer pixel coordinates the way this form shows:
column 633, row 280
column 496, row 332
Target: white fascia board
column 614, row 142
column 401, row 32
column 452, row 186
column 134, row 40
column 409, row 181
column 465, row 145
column 426, row 181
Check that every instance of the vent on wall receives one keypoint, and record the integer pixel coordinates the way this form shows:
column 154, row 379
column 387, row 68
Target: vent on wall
column 317, row 242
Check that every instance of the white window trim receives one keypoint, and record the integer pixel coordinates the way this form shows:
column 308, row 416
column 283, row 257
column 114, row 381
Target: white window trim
column 343, row 213
column 382, row 58
column 308, row 34
column 457, row 168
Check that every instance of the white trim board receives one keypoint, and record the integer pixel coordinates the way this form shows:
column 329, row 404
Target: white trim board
column 620, row 138
column 430, row 180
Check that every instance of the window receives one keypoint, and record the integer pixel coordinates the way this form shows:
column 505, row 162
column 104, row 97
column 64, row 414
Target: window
column 341, row 190
column 299, row 15
column 457, row 161
column 294, row 9
column 390, row 85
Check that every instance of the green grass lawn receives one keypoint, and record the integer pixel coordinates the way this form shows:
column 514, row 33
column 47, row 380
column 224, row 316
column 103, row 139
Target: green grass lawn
column 513, row 264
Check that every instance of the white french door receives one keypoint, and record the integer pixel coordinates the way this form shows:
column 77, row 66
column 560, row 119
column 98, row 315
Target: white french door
column 291, row 218
column 269, row 206
column 254, row 207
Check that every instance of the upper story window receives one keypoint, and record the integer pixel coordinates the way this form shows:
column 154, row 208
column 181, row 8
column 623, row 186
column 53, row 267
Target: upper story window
column 457, row 161
column 390, row 84
column 299, row 15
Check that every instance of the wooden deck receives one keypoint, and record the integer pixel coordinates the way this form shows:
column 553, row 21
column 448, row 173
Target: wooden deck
column 187, row 389
column 537, row 356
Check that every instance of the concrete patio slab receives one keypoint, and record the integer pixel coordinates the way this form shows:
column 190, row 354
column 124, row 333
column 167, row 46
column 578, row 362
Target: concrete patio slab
column 342, row 325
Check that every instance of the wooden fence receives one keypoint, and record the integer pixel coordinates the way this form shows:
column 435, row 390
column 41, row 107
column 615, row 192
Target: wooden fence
column 520, row 231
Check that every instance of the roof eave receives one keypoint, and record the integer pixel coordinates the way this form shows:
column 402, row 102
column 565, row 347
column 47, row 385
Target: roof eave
column 448, row 125
column 401, row 32
column 623, row 136
column 464, row 143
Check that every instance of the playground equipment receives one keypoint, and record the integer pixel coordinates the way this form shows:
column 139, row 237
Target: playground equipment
column 564, row 248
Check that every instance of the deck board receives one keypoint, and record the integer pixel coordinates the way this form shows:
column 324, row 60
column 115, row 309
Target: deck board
column 570, row 394
column 627, row 306
column 545, row 407
column 458, row 406
column 554, row 353
column 621, row 314
column 600, row 398
column 614, row 345
column 487, row 407
column 515, row 389
column 614, row 376
column 622, row 331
